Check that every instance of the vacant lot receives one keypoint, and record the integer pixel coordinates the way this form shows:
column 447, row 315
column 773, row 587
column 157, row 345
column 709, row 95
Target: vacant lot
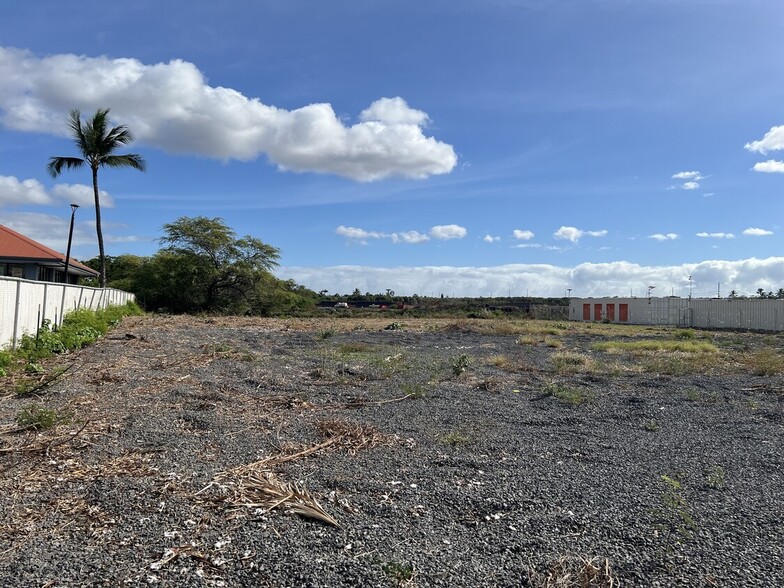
column 347, row 452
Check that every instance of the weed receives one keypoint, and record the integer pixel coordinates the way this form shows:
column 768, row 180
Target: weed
column 673, row 519
column 413, row 390
column 526, row 340
column 400, row 573
column 693, row 394
column 566, row 361
column 650, row 426
column 34, row 368
column 39, row 418
column 656, row 345
column 500, row 361
column 554, row 343
column 714, row 477
column 325, row 334
column 765, row 362
column 460, row 364
column 685, row 334
column 566, row 394
column 455, row 438
column 355, row 347
column 394, row 327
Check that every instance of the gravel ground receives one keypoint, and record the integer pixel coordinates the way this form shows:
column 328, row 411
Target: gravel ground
column 448, row 453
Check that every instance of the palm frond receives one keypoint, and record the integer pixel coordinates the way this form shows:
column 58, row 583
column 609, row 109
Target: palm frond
column 128, row 160
column 56, row 164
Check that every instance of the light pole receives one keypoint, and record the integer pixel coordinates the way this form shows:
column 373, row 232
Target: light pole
column 689, row 287
column 568, row 293
column 70, row 238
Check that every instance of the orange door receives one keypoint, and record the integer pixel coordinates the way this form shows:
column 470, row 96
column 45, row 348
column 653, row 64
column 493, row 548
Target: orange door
column 611, row 312
column 597, row 312
column 586, row 312
column 623, row 311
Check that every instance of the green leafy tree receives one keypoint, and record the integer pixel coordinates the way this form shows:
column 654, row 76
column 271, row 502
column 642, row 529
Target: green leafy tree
column 97, row 143
column 203, row 266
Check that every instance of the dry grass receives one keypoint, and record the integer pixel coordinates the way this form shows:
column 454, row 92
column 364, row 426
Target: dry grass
column 764, row 362
column 575, row 571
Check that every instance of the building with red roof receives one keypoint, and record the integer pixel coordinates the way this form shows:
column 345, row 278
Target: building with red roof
column 21, row 257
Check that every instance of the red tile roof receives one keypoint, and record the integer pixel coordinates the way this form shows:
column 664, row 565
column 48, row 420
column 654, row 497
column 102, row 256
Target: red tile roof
column 17, row 246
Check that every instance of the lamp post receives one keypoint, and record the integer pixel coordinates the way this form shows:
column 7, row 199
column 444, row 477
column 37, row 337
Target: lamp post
column 70, row 238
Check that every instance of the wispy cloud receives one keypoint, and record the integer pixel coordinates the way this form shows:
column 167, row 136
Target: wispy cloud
column 663, row 236
column 574, row 234
column 716, row 235
column 688, row 175
column 523, row 235
column 440, row 232
column 490, row 239
column 690, row 185
column 172, row 107
column 756, row 232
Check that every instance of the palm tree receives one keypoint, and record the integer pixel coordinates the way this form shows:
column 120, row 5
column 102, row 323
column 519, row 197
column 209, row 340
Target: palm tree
column 97, row 144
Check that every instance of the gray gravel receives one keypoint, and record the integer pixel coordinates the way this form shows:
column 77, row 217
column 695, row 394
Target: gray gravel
column 487, row 477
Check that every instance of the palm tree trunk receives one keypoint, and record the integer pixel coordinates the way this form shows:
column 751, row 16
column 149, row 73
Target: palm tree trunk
column 98, row 229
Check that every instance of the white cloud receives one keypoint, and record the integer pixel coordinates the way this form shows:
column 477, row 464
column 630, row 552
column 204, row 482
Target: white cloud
column 574, row 234
column 771, row 166
column 81, row 194
column 617, row 278
column 690, row 185
column 688, row 175
column 170, row 106
column 664, row 237
column 755, row 232
column 444, row 232
column 523, row 235
column 772, row 141
column 409, row 237
column 357, row 233
column 716, row 235
column 14, row 191
column 490, row 239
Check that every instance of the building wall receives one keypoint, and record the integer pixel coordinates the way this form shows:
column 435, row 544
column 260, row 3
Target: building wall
column 25, row 304
column 709, row 313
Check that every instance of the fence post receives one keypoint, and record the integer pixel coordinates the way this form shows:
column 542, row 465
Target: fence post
column 16, row 313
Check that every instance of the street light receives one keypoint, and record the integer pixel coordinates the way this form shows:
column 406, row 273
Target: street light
column 70, row 238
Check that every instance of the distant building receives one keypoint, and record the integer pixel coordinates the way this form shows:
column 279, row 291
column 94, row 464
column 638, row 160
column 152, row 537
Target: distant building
column 21, row 257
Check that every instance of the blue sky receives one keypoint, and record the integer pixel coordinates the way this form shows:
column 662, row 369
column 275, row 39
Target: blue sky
column 460, row 147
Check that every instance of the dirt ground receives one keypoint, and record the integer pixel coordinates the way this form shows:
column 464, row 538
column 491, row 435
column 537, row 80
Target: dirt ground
column 392, row 452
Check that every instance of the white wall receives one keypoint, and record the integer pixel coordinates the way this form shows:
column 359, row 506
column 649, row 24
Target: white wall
column 710, row 313
column 25, row 304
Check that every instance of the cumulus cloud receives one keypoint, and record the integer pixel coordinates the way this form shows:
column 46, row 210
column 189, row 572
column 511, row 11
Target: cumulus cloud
column 172, row 107
column 772, row 141
column 771, row 166
column 716, row 235
column 490, row 239
column 688, row 175
column 15, row 191
column 617, row 278
column 574, row 234
column 755, row 232
column 690, row 185
column 663, row 236
column 445, row 232
column 523, row 235
column 81, row 194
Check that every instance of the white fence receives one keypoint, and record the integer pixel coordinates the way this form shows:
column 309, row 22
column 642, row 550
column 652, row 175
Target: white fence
column 26, row 304
column 707, row 313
